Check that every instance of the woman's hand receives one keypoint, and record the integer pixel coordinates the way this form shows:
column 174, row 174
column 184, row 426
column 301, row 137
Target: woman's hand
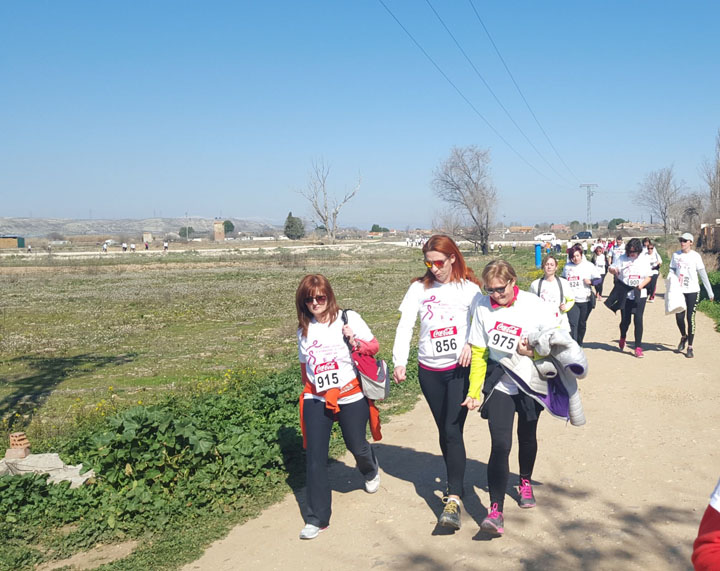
column 465, row 355
column 399, row 374
column 613, row 271
column 524, row 348
column 562, row 307
column 471, row 403
column 587, row 282
column 348, row 332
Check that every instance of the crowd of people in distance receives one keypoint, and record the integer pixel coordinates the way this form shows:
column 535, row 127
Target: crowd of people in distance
column 484, row 344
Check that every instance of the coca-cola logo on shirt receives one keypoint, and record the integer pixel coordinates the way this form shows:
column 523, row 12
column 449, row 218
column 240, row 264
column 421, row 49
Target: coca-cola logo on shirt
column 323, row 367
column 444, row 332
column 507, row 328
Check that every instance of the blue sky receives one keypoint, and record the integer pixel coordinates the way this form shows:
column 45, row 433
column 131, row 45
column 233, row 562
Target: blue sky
column 138, row 109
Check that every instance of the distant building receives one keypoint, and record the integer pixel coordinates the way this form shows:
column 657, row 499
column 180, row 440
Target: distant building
column 521, row 229
column 12, row 242
column 147, row 237
column 559, row 228
column 218, row 231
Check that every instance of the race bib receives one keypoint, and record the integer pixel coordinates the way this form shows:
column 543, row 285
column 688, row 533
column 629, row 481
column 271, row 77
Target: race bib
column 634, row 281
column 444, row 341
column 574, row 281
column 504, row 337
column 326, row 376
column 684, row 280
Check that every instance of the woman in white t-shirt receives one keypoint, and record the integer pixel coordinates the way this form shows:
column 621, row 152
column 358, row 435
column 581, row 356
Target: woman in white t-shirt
column 579, row 273
column 441, row 298
column 331, row 391
column 555, row 291
column 601, row 263
column 633, row 269
column 502, row 321
column 655, row 260
column 687, row 264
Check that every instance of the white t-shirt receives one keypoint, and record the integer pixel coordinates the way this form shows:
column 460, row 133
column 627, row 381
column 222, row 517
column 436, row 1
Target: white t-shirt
column 686, row 268
column 576, row 274
column 444, row 311
column 326, row 357
column 501, row 329
column 550, row 293
column 600, row 263
column 654, row 259
column 633, row 272
column 618, row 250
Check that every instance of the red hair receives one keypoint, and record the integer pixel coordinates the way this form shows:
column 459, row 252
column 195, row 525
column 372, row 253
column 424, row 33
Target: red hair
column 446, row 245
column 313, row 285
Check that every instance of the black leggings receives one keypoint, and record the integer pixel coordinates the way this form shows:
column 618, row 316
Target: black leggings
column 599, row 286
column 578, row 316
column 636, row 306
column 444, row 391
column 353, row 419
column 652, row 286
column 501, row 409
column 691, row 301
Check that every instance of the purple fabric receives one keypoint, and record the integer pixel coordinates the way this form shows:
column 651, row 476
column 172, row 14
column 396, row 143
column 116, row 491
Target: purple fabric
column 557, row 401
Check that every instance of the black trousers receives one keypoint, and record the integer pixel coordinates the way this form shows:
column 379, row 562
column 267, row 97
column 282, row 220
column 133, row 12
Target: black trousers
column 578, row 316
column 444, row 391
column 353, row 419
column 633, row 307
column 691, row 301
column 501, row 408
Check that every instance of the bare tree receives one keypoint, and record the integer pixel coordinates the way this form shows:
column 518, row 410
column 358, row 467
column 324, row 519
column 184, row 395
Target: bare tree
column 691, row 212
column 447, row 222
column 660, row 193
column 710, row 171
column 463, row 181
column 325, row 207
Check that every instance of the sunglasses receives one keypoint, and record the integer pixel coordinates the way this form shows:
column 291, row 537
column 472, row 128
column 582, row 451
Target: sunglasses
column 319, row 299
column 439, row 264
column 683, row 240
column 633, row 252
column 650, row 248
column 490, row 290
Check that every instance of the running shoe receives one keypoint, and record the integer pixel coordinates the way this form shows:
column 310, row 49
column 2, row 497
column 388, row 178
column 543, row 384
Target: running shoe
column 639, row 352
column 651, row 300
column 450, row 516
column 311, row 531
column 683, row 342
column 372, row 486
column 621, row 343
column 690, row 353
column 527, row 498
column 493, row 523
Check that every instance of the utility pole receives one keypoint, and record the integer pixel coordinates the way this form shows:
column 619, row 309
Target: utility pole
column 589, row 187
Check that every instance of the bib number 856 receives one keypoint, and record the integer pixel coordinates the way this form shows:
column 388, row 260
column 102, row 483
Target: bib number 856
column 324, row 382
column 445, row 345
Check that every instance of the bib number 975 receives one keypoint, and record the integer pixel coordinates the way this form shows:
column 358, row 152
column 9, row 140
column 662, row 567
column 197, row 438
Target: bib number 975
column 503, row 342
column 326, row 381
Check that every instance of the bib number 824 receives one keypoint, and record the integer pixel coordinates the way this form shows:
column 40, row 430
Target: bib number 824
column 445, row 345
column 324, row 382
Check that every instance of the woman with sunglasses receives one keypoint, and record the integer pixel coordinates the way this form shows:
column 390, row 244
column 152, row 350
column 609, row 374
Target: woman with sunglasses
column 502, row 321
column 633, row 269
column 687, row 264
column 580, row 273
column 331, row 392
column 655, row 260
column 442, row 298
column 599, row 258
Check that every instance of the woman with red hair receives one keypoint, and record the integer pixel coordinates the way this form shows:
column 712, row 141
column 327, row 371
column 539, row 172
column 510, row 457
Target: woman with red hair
column 442, row 298
column 331, row 391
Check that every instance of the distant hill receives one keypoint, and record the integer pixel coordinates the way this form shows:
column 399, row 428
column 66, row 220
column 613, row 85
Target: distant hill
column 69, row 227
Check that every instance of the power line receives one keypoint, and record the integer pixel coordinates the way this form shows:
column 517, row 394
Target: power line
column 461, row 94
column 497, row 99
column 497, row 51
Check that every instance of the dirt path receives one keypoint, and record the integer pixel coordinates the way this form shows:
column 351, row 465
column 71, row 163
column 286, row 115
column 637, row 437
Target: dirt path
column 626, row 491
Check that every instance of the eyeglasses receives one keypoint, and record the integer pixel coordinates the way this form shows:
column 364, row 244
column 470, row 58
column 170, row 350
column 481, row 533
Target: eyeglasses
column 490, row 290
column 439, row 264
column 319, row 299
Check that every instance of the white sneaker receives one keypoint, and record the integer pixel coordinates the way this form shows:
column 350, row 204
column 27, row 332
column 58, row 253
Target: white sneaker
column 372, row 486
column 311, row 531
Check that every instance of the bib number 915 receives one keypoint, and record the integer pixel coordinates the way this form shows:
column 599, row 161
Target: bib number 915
column 326, row 381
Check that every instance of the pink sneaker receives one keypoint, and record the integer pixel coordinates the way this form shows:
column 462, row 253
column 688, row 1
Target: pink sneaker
column 622, row 343
column 639, row 353
column 493, row 523
column 527, row 498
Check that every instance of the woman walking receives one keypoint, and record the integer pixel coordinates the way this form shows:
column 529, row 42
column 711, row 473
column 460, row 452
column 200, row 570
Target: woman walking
column 601, row 263
column 655, row 262
column 633, row 270
column 442, row 298
column 331, row 392
column 579, row 273
column 687, row 264
column 502, row 320
column 555, row 291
